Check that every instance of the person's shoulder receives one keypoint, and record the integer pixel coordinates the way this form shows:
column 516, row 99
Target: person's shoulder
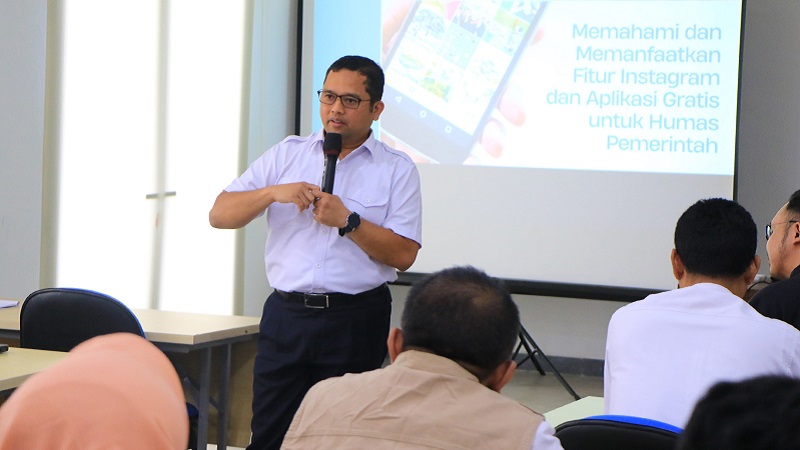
column 397, row 156
column 779, row 329
column 294, row 140
column 776, row 311
column 290, row 147
column 637, row 316
column 764, row 295
column 777, row 292
column 651, row 300
column 515, row 405
column 779, row 301
column 346, row 381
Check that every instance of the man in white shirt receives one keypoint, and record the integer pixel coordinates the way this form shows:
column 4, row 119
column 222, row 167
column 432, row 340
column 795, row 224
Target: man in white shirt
column 664, row 352
column 328, row 255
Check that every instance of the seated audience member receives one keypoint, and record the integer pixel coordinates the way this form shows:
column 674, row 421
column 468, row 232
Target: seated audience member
column 781, row 299
column 664, row 352
column 449, row 361
column 116, row 391
column 755, row 414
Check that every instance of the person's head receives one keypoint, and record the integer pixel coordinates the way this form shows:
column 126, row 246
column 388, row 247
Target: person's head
column 113, row 391
column 716, row 238
column 759, row 413
column 465, row 315
column 783, row 241
column 354, row 85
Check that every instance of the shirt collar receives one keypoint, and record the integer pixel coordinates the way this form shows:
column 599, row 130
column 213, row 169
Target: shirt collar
column 370, row 144
column 429, row 362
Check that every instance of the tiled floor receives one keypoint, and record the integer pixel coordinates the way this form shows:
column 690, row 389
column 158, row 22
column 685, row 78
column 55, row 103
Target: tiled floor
column 541, row 393
column 545, row 393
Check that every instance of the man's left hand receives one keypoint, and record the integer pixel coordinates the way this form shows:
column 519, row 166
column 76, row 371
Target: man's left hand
column 329, row 210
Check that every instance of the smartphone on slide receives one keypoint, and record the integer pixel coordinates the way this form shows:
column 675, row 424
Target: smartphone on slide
column 447, row 69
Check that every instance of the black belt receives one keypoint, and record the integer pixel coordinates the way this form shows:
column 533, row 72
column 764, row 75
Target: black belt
column 329, row 299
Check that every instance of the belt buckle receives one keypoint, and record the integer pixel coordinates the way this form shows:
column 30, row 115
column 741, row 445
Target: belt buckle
column 314, row 297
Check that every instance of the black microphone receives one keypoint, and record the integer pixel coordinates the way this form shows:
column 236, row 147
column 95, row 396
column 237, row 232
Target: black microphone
column 331, row 147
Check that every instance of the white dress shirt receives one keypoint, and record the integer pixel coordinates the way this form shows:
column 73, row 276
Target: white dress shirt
column 664, row 352
column 545, row 438
column 377, row 182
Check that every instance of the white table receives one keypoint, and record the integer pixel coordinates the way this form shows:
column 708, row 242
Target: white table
column 181, row 332
column 579, row 409
column 18, row 364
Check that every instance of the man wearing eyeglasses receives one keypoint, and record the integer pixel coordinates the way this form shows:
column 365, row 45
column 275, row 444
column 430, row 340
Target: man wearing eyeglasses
column 781, row 299
column 328, row 256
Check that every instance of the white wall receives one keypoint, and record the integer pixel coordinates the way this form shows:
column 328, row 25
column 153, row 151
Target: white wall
column 769, row 117
column 271, row 119
column 769, row 160
column 22, row 72
column 568, row 327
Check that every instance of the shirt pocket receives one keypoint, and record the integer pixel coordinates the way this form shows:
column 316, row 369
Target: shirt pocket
column 370, row 203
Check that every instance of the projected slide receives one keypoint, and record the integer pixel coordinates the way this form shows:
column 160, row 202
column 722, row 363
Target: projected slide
column 645, row 86
column 556, row 141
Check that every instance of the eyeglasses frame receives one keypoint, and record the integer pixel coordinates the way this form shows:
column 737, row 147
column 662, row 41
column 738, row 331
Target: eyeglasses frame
column 769, row 231
column 341, row 99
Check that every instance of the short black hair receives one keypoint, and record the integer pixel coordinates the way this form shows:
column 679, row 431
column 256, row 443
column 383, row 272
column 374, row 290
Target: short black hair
column 366, row 67
column 463, row 314
column 793, row 206
column 716, row 237
column 758, row 413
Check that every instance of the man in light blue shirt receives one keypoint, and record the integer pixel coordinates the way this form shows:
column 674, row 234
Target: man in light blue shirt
column 328, row 256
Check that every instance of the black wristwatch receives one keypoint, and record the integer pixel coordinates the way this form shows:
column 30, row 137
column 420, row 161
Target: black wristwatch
column 353, row 221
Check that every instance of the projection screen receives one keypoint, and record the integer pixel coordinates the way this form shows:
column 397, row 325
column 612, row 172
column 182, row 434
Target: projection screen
column 557, row 141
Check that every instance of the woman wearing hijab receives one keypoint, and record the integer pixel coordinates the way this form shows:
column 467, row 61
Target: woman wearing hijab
column 112, row 392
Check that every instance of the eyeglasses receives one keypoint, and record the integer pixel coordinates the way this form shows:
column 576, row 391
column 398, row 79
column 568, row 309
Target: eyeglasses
column 770, row 230
column 348, row 101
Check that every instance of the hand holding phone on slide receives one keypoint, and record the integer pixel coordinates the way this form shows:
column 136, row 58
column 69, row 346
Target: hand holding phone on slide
column 505, row 110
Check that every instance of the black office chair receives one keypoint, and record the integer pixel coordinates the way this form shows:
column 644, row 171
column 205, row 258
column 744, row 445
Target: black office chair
column 612, row 432
column 61, row 318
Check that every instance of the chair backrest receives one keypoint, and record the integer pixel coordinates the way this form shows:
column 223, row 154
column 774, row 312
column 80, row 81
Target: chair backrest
column 617, row 433
column 61, row 318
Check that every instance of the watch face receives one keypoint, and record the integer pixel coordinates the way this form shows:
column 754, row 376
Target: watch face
column 353, row 221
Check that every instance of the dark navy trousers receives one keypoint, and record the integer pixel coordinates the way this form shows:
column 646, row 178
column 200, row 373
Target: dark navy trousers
column 299, row 346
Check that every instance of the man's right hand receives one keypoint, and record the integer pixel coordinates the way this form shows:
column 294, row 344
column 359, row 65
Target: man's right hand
column 237, row 209
column 297, row 193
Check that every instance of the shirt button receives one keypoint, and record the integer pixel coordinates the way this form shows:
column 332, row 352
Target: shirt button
column 318, row 266
column 325, row 231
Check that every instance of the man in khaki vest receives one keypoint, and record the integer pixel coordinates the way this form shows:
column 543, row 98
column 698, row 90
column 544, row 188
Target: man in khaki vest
column 449, row 362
